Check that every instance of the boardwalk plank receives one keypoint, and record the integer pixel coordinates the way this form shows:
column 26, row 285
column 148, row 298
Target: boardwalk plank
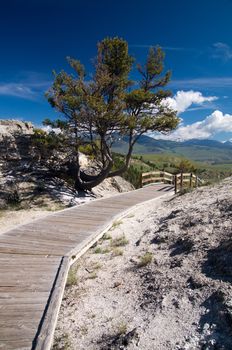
column 34, row 262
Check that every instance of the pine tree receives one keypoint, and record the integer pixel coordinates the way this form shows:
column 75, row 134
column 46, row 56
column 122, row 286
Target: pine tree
column 97, row 111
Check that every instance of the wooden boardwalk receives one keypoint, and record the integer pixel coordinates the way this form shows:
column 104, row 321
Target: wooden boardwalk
column 35, row 259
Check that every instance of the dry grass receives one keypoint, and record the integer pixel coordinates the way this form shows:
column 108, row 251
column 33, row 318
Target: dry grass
column 116, row 224
column 122, row 328
column 100, row 250
column 72, row 277
column 117, row 252
column 119, row 241
column 64, row 340
column 145, row 259
column 106, row 237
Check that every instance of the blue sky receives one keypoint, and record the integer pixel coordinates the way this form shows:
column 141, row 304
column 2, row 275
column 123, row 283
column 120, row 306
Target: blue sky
column 37, row 35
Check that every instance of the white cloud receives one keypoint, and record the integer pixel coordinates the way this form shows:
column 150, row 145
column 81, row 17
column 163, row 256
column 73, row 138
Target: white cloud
column 197, row 83
column 30, row 86
column 222, row 51
column 182, row 100
column 214, row 123
column 16, row 90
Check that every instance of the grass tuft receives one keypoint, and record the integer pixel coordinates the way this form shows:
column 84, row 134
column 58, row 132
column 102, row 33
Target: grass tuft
column 97, row 250
column 106, row 237
column 119, row 241
column 117, row 252
column 145, row 260
column 64, row 340
column 72, row 278
column 122, row 328
column 100, row 250
column 116, row 224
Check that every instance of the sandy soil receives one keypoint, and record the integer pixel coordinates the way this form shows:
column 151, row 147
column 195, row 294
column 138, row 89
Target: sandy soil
column 42, row 204
column 11, row 218
column 160, row 279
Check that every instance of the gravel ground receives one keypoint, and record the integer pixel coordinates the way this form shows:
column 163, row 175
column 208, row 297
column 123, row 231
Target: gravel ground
column 160, row 279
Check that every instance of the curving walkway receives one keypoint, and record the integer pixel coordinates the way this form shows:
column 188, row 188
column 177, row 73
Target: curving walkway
column 35, row 259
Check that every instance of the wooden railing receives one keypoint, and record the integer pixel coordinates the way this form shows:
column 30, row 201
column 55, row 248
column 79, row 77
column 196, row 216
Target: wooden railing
column 155, row 177
column 180, row 181
column 185, row 180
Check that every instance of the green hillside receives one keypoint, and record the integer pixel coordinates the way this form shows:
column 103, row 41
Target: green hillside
column 169, row 162
column 209, row 151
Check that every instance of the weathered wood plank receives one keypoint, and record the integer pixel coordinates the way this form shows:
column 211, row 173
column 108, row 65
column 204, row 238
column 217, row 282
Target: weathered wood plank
column 33, row 271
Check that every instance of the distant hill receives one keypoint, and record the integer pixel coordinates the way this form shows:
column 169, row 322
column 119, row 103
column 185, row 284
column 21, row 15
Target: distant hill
column 211, row 151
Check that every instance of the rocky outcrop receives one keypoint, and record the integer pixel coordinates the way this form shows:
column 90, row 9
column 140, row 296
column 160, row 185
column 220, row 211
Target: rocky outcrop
column 26, row 182
column 15, row 140
column 12, row 127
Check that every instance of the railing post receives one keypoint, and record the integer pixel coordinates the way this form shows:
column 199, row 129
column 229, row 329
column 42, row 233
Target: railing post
column 191, row 180
column 141, row 180
column 175, row 183
column 181, row 181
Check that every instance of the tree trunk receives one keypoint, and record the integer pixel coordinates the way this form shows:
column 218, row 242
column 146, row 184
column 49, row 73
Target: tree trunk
column 125, row 166
column 92, row 181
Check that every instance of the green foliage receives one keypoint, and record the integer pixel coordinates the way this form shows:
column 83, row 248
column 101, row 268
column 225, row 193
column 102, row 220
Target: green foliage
column 122, row 328
column 97, row 250
column 132, row 174
column 170, row 163
column 95, row 112
column 47, row 145
column 145, row 259
column 106, row 237
column 114, row 57
column 119, row 241
column 186, row 166
column 100, row 250
column 72, row 278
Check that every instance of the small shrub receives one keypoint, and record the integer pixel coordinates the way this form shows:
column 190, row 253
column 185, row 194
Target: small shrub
column 100, row 250
column 62, row 343
column 122, row 328
column 117, row 252
column 106, row 237
column 97, row 250
column 119, row 241
column 72, row 278
column 145, row 259
column 116, row 224
column 105, row 250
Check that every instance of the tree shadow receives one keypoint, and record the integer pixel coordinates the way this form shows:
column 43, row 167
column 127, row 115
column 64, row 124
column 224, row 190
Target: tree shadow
column 216, row 323
column 182, row 246
column 120, row 340
column 218, row 264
